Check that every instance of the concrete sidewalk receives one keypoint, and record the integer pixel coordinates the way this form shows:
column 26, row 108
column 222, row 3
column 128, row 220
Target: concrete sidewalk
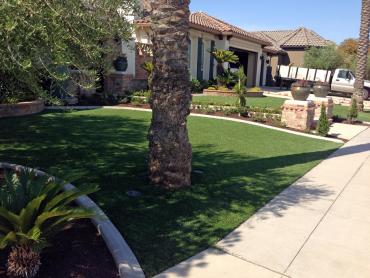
column 318, row 227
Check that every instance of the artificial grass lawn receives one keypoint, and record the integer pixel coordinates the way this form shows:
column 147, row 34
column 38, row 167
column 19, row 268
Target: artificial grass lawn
column 244, row 167
column 261, row 102
column 271, row 102
column 342, row 111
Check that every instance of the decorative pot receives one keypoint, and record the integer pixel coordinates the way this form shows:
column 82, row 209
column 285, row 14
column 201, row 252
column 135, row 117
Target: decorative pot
column 321, row 90
column 300, row 93
column 120, row 64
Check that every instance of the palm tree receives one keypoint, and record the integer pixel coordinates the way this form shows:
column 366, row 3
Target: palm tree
column 362, row 53
column 170, row 152
column 223, row 56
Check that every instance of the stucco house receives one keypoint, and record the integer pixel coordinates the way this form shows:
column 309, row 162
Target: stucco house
column 206, row 33
column 289, row 46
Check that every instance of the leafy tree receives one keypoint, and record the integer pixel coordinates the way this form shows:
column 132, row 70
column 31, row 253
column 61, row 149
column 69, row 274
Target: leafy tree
column 322, row 58
column 170, row 152
column 40, row 38
column 348, row 47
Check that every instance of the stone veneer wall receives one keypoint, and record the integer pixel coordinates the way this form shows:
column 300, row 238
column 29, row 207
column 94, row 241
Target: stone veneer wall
column 21, row 109
column 329, row 104
column 298, row 114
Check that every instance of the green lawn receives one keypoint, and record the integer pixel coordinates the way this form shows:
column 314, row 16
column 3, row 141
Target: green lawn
column 261, row 102
column 342, row 111
column 270, row 102
column 244, row 167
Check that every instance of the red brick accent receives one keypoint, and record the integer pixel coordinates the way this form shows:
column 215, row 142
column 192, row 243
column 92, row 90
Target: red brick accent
column 21, row 109
column 117, row 83
column 140, row 59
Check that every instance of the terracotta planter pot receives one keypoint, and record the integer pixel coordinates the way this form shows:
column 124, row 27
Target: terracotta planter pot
column 300, row 93
column 321, row 90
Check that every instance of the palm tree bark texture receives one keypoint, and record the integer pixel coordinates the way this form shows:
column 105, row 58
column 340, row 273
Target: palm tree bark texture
column 170, row 152
column 362, row 53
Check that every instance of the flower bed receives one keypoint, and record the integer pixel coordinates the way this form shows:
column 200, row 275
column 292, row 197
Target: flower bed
column 21, row 108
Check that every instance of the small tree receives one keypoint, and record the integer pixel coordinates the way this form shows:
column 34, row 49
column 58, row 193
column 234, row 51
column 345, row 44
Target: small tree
column 323, row 126
column 323, row 58
column 223, row 56
column 353, row 111
column 240, row 87
column 149, row 68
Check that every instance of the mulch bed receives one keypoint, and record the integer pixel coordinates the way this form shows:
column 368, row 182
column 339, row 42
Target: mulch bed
column 78, row 252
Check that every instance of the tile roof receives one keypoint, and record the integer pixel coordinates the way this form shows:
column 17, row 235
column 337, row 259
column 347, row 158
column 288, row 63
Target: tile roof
column 203, row 21
column 210, row 22
column 301, row 37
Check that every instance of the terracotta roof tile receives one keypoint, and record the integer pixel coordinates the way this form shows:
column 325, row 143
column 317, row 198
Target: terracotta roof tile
column 301, row 37
column 219, row 27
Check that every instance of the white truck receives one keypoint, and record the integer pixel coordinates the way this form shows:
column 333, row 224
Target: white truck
column 340, row 81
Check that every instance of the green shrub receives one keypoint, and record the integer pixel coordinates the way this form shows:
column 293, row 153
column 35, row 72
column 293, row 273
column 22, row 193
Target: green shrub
column 323, row 126
column 34, row 209
column 353, row 111
column 195, row 86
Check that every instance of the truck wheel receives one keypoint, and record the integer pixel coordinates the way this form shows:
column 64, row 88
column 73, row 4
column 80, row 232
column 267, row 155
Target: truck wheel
column 365, row 94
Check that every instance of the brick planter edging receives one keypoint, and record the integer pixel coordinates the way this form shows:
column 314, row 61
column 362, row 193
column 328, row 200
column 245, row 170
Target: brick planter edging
column 125, row 260
column 21, row 108
column 224, row 93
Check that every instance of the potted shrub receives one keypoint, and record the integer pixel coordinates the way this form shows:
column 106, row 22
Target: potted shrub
column 300, row 90
column 321, row 89
column 120, row 64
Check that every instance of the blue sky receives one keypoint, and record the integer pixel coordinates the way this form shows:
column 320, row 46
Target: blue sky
column 335, row 20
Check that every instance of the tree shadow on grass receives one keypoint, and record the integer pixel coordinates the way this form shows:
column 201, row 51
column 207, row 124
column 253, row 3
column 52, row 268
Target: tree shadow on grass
column 162, row 227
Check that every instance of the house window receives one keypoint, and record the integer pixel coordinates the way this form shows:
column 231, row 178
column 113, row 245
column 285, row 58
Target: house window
column 212, row 61
column 200, row 60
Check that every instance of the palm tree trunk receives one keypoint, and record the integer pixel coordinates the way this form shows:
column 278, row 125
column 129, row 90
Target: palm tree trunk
column 362, row 53
column 170, row 152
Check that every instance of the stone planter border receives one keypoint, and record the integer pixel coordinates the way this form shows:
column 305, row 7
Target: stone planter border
column 228, row 93
column 125, row 260
column 21, row 109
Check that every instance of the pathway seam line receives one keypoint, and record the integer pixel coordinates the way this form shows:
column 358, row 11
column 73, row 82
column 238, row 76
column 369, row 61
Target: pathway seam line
column 248, row 261
column 327, row 211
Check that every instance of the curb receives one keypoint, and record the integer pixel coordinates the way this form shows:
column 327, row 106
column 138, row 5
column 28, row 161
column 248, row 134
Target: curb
column 202, row 116
column 125, row 260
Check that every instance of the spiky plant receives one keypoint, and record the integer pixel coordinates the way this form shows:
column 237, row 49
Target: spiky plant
column 33, row 210
column 240, row 88
column 149, row 68
column 223, row 56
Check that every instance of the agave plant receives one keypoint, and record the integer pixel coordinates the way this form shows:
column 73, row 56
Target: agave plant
column 33, row 210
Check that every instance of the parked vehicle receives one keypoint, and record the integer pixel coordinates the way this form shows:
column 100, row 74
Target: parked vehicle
column 340, row 80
